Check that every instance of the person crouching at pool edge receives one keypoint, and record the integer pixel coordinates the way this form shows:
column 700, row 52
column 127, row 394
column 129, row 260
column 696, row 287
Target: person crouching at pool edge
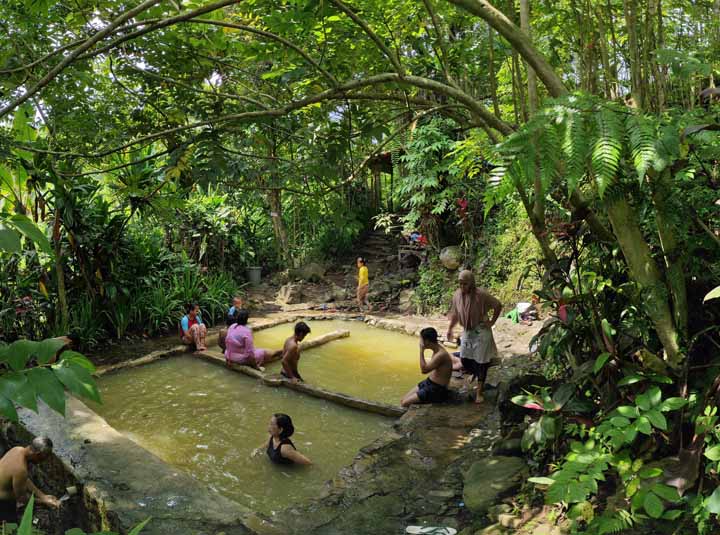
column 291, row 353
column 280, row 449
column 434, row 389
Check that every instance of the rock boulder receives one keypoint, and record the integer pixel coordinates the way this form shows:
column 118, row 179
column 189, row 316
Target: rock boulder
column 491, row 479
column 451, row 257
column 290, row 294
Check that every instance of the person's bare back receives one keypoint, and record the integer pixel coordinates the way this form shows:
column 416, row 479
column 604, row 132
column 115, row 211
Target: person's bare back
column 291, row 352
column 442, row 374
column 12, row 466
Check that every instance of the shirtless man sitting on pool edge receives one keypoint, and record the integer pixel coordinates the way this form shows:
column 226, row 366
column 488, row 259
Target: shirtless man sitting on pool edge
column 434, row 389
column 291, row 353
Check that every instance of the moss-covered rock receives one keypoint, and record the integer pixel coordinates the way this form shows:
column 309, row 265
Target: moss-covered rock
column 489, row 480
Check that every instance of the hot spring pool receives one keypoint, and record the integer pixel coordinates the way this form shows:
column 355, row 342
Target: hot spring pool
column 371, row 363
column 206, row 420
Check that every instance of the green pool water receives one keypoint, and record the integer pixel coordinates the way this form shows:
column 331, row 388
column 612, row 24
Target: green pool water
column 370, row 364
column 206, row 420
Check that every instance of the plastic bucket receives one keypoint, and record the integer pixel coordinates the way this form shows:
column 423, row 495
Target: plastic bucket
column 254, row 274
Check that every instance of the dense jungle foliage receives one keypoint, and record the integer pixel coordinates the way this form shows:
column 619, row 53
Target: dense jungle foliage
column 151, row 151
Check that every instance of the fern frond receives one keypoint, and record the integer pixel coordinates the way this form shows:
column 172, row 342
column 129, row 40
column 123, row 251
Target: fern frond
column 642, row 134
column 576, row 147
column 607, row 148
column 549, row 149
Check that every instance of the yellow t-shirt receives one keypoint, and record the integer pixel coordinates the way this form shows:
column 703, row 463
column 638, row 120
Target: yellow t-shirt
column 363, row 276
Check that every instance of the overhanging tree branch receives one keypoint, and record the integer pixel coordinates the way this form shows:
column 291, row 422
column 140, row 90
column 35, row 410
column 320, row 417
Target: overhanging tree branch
column 519, row 41
column 50, row 76
column 394, row 59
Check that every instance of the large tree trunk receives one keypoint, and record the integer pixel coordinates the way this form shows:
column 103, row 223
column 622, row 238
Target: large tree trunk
column 519, row 42
column 672, row 250
column 644, row 271
column 630, row 8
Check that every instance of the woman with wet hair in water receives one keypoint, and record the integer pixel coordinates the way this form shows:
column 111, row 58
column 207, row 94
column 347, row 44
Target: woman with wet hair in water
column 280, row 448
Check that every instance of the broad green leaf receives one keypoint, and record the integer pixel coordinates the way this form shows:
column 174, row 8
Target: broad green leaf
column 632, row 488
column 48, row 388
column 47, row 349
column 673, row 404
column 712, row 294
column 630, row 434
column 654, row 396
column 73, row 357
column 666, row 492
column 712, row 504
column 649, row 472
column 619, row 421
column 608, row 329
column 643, row 425
column 653, row 505
column 657, row 419
column 628, row 411
column 713, row 452
column 600, row 362
column 672, row 514
column 9, row 240
column 31, row 231
column 630, row 380
column 20, row 352
column 15, row 386
column 7, row 409
column 77, row 380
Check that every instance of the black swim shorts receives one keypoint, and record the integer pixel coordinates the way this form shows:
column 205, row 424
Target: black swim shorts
column 8, row 512
column 429, row 392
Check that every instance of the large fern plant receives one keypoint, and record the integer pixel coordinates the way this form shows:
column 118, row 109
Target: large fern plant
column 581, row 140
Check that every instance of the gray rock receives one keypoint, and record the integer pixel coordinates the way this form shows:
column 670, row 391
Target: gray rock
column 509, row 446
column 406, row 305
column 290, row 294
column 451, row 257
column 491, row 479
column 311, row 272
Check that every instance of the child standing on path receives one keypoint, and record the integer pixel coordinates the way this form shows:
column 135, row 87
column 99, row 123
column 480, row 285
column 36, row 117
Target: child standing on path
column 363, row 284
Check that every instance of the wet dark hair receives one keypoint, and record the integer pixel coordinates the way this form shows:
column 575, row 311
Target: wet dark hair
column 284, row 422
column 429, row 334
column 229, row 319
column 74, row 337
column 301, row 328
column 241, row 316
column 190, row 306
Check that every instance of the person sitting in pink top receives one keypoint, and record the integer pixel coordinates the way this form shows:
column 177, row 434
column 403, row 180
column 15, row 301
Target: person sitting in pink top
column 239, row 347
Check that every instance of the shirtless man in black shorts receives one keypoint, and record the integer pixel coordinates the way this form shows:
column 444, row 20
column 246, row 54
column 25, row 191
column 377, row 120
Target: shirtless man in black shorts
column 434, row 389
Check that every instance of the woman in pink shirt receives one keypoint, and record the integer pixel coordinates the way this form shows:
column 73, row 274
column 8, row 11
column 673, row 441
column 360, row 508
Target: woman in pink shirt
column 239, row 347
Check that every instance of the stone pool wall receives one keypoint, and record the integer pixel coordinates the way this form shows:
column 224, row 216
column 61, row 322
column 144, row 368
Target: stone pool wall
column 122, row 483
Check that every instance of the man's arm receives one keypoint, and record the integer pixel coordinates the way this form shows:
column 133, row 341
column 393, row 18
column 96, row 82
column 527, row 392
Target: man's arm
column 435, row 362
column 453, row 322
column 22, row 487
column 47, row 499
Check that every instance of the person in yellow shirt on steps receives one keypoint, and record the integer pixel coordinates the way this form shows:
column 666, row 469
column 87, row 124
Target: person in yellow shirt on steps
column 363, row 284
